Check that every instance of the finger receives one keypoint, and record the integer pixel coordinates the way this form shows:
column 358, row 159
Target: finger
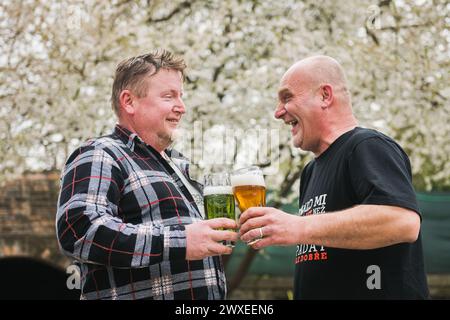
column 251, row 243
column 218, row 223
column 216, row 249
column 261, row 243
column 219, row 235
column 251, row 235
column 251, row 213
column 252, row 224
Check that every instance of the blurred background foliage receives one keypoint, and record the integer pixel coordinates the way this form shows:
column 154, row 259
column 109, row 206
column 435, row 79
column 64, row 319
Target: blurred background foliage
column 57, row 60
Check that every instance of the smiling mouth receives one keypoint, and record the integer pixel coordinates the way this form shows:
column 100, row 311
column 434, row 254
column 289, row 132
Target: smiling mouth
column 292, row 123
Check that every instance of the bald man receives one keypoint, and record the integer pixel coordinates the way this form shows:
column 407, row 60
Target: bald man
column 358, row 228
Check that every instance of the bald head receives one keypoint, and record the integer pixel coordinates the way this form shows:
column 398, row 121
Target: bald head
column 319, row 70
column 313, row 98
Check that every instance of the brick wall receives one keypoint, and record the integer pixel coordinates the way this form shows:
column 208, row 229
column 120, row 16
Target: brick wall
column 27, row 217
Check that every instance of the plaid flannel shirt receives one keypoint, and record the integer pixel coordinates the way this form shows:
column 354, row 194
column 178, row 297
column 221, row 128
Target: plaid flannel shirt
column 121, row 214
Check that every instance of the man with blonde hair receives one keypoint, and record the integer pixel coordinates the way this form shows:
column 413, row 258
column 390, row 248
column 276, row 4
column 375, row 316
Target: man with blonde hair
column 128, row 210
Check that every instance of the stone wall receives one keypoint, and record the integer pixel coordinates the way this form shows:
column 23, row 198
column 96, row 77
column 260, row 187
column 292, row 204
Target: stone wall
column 263, row 288
column 27, row 217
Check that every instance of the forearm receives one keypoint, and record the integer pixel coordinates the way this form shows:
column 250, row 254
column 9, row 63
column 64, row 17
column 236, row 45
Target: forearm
column 115, row 243
column 89, row 227
column 360, row 227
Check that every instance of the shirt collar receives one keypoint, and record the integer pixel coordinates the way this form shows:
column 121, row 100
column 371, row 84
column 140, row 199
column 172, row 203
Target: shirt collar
column 132, row 138
column 127, row 137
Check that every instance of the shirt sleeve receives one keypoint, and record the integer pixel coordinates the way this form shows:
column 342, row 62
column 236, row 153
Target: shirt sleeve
column 88, row 223
column 380, row 173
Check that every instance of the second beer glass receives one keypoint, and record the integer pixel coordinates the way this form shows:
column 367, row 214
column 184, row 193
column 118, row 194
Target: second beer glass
column 218, row 198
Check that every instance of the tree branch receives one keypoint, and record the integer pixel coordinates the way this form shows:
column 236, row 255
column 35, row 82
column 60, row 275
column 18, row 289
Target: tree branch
column 408, row 26
column 182, row 6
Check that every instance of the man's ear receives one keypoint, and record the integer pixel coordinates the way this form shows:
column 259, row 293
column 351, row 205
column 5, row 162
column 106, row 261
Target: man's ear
column 326, row 95
column 126, row 102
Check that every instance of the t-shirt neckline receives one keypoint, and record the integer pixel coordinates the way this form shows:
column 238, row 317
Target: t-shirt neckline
column 337, row 143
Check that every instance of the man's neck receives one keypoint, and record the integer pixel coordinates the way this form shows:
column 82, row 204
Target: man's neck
column 334, row 131
column 150, row 139
column 343, row 127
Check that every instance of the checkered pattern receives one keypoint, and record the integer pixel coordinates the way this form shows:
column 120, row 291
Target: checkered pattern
column 96, row 199
column 210, row 277
column 162, row 286
column 138, row 180
column 121, row 215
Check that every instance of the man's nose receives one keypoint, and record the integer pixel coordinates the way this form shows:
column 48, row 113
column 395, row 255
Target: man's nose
column 280, row 111
column 180, row 107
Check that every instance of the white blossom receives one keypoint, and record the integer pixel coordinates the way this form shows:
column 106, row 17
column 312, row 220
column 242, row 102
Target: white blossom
column 57, row 61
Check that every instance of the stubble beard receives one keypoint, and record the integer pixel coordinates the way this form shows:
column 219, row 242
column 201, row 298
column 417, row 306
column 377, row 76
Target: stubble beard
column 166, row 140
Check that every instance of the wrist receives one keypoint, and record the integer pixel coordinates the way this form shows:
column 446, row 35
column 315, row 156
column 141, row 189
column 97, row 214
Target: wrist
column 301, row 230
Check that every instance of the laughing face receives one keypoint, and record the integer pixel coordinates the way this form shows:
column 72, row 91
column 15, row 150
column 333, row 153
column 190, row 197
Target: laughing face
column 298, row 108
column 158, row 114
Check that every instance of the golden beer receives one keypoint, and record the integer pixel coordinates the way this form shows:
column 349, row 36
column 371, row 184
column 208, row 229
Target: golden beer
column 249, row 188
column 250, row 196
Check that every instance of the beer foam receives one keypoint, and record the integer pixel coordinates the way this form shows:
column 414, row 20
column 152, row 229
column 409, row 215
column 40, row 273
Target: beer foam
column 247, row 179
column 217, row 190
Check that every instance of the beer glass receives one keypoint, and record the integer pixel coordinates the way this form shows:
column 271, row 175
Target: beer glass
column 218, row 198
column 249, row 188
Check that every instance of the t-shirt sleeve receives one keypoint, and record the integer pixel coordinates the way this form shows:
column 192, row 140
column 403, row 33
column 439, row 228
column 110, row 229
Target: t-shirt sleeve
column 380, row 173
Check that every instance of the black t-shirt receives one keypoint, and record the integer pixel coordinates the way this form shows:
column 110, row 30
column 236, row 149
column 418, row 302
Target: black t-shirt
column 362, row 166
